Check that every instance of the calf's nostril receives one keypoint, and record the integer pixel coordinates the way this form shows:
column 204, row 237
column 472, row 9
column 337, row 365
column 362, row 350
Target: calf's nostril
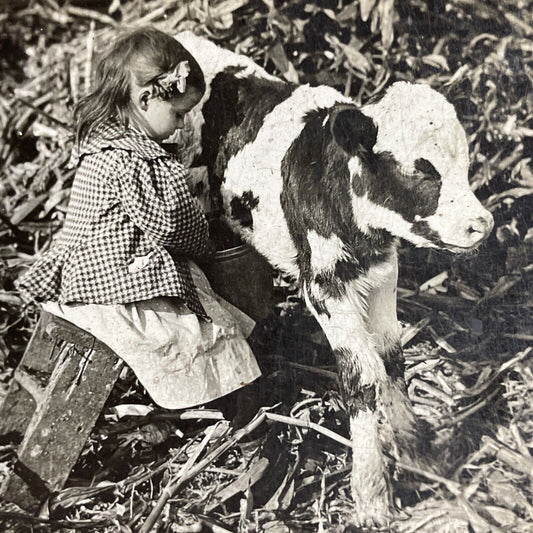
column 480, row 225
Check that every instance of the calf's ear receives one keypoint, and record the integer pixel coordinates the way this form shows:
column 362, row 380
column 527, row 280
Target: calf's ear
column 352, row 130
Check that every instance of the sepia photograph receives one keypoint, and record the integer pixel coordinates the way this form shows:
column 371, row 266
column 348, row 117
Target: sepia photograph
column 266, row 266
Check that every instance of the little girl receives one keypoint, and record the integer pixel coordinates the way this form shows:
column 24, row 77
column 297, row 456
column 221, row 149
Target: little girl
column 120, row 269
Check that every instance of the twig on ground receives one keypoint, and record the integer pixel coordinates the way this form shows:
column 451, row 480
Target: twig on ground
column 70, row 496
column 170, row 490
column 516, row 460
column 71, row 524
column 434, row 391
column 310, row 425
column 90, row 14
column 484, row 386
column 56, row 121
column 468, row 411
column 411, row 331
column 17, row 233
column 314, row 370
column 246, row 479
column 519, row 24
column 456, row 489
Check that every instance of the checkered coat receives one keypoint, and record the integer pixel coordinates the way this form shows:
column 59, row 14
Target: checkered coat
column 130, row 227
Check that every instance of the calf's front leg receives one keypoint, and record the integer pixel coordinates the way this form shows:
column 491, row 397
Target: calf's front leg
column 399, row 423
column 362, row 376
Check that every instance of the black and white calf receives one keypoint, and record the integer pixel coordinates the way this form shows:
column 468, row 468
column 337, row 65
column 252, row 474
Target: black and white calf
column 323, row 190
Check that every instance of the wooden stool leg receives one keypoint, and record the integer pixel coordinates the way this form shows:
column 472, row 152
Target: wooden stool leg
column 64, row 417
column 30, row 379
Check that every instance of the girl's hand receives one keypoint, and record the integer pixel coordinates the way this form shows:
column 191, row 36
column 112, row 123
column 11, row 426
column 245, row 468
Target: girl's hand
column 197, row 179
column 198, row 184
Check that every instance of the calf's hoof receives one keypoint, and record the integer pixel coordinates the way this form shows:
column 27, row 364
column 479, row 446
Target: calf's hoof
column 352, row 528
column 371, row 493
column 371, row 518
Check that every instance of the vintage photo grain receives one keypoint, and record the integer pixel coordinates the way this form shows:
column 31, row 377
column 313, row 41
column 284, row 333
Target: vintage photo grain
column 266, row 266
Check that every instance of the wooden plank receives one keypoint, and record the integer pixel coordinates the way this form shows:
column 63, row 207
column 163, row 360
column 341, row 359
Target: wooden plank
column 17, row 409
column 36, row 365
column 63, row 419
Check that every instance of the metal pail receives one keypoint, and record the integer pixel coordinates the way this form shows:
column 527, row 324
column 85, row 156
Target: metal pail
column 243, row 277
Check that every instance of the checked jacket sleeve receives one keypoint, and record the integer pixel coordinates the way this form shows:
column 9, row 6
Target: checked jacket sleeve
column 155, row 195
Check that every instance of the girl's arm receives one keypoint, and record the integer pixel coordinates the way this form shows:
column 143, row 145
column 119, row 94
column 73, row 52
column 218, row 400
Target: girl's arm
column 155, row 195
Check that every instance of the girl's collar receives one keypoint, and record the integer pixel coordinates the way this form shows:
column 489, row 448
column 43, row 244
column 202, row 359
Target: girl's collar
column 111, row 135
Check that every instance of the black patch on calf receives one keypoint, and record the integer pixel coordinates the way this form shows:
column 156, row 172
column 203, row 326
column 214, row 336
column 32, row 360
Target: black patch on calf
column 241, row 208
column 356, row 398
column 333, row 283
column 394, row 362
column 346, row 271
column 427, row 169
column 234, row 114
column 422, row 228
column 316, row 196
column 388, row 185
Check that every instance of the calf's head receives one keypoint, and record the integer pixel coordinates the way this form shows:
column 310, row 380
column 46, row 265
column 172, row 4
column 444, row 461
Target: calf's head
column 409, row 169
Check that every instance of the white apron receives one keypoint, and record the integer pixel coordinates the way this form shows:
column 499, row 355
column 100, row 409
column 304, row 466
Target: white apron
column 180, row 360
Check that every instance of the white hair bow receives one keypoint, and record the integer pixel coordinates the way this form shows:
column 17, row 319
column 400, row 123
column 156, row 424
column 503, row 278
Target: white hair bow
column 175, row 79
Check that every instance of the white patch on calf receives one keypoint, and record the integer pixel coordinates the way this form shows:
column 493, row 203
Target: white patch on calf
column 368, row 482
column 380, row 285
column 214, row 59
column 355, row 167
column 368, row 214
column 456, row 214
column 416, row 121
column 325, row 251
column 257, row 167
column 345, row 327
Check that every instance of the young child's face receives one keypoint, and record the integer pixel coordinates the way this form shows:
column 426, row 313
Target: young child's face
column 160, row 118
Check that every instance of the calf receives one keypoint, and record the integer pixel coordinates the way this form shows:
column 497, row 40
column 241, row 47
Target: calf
column 323, row 190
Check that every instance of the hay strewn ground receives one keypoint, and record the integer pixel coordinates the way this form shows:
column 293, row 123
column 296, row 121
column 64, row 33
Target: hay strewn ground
column 467, row 319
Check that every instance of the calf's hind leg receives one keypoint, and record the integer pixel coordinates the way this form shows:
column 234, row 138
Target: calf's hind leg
column 362, row 376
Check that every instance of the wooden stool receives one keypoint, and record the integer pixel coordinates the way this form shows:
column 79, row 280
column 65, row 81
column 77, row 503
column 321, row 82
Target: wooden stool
column 55, row 397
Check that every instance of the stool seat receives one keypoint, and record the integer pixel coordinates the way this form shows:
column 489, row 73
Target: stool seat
column 57, row 392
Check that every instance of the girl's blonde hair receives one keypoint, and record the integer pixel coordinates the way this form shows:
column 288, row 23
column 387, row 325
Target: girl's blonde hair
column 139, row 55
